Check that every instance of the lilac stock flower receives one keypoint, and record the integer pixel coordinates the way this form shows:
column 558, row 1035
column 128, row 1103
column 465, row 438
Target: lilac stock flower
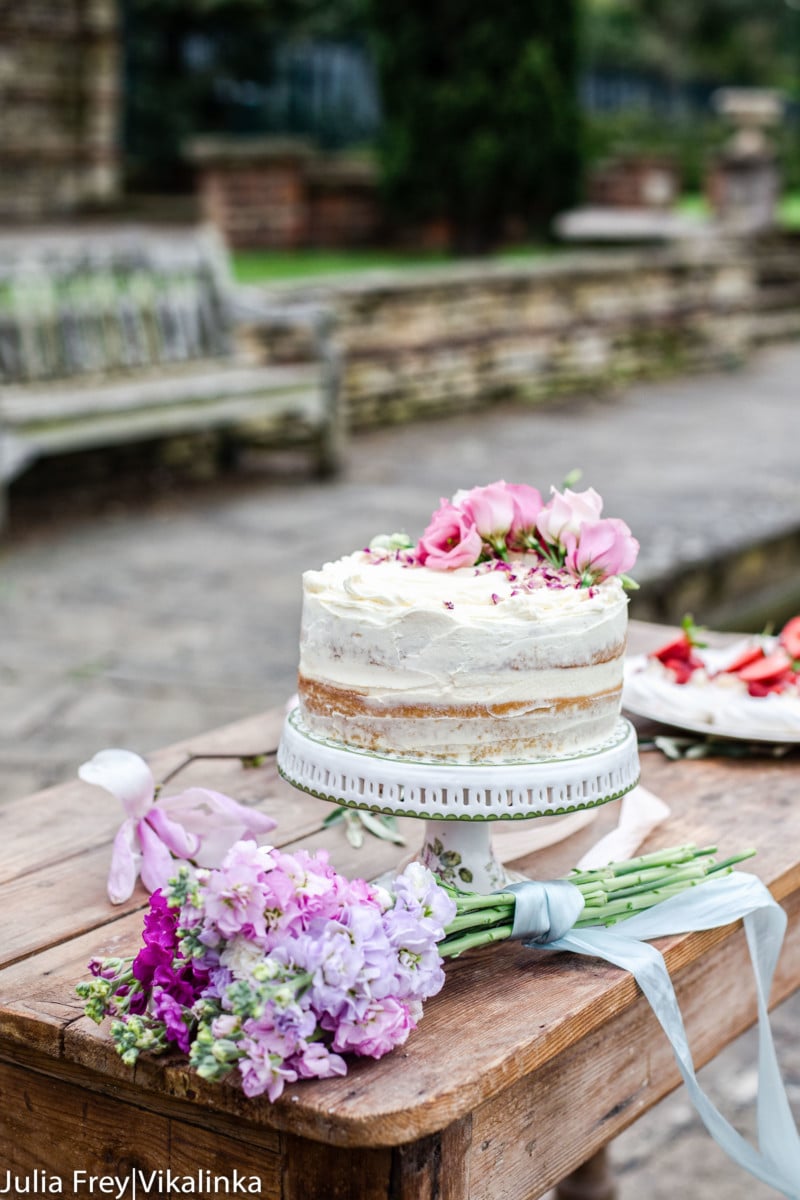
column 198, row 825
column 263, row 1067
column 416, row 968
column 417, row 891
column 275, row 965
column 317, row 1062
column 385, row 1024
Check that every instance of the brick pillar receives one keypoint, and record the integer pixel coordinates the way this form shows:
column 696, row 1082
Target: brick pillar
column 255, row 189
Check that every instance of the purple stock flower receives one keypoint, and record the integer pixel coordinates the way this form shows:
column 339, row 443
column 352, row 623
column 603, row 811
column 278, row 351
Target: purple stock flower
column 173, row 1014
column 385, row 1024
column 277, row 964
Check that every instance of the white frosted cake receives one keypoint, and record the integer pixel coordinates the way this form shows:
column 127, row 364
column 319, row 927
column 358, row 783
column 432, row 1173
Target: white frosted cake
column 494, row 639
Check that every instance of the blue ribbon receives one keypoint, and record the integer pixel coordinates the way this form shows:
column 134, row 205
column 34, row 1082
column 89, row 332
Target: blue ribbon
column 545, row 914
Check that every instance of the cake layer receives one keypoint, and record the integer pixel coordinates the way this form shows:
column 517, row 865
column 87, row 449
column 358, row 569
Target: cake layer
column 459, row 733
column 490, row 662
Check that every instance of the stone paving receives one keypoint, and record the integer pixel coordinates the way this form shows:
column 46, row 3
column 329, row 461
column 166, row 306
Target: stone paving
column 136, row 622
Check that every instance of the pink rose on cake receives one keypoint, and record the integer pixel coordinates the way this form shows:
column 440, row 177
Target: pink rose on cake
column 482, row 525
column 566, row 512
column 600, row 549
column 528, row 504
column 491, row 510
column 450, row 541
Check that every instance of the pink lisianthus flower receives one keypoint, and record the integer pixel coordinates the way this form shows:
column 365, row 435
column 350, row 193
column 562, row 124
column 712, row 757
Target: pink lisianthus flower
column 564, row 514
column 601, row 548
column 491, row 510
column 197, row 825
column 528, row 504
column 450, row 541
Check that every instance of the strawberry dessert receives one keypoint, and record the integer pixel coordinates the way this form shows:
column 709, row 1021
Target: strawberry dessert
column 748, row 688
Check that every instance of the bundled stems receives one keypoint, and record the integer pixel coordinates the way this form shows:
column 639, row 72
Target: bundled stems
column 610, row 894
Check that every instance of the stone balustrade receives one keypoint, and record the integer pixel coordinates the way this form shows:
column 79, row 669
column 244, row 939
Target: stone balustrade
column 428, row 341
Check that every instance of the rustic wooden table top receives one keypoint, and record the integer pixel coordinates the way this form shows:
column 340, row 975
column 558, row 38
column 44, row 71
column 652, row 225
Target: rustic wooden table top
column 524, row 1065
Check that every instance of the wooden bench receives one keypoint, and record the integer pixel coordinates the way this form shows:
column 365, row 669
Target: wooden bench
column 132, row 335
column 524, row 1066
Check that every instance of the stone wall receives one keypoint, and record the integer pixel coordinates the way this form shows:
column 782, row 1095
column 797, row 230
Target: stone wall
column 424, row 342
column 776, row 259
column 58, row 104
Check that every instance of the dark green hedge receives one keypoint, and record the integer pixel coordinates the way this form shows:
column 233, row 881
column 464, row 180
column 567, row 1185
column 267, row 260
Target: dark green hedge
column 481, row 122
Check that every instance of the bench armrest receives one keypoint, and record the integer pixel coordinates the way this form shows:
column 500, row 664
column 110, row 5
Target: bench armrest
column 250, row 307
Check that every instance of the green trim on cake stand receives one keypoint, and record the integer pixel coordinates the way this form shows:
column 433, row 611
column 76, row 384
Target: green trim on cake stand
column 458, row 801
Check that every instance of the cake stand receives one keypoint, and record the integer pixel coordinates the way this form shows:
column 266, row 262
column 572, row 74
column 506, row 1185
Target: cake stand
column 456, row 801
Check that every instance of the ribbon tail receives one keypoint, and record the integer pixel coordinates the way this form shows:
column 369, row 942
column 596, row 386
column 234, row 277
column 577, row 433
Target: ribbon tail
column 777, row 1133
column 777, row 1163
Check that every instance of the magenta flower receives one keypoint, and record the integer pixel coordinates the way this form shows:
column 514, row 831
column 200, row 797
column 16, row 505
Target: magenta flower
column 198, row 825
column 602, row 548
column 450, row 541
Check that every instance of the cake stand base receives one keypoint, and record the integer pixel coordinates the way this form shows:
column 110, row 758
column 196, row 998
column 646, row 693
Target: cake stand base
column 460, row 854
column 459, row 801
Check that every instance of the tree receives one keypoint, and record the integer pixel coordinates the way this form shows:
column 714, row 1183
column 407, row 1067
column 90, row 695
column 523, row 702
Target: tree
column 741, row 41
column 178, row 51
column 480, row 111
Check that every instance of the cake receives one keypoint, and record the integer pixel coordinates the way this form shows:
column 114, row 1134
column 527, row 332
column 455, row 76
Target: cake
column 498, row 637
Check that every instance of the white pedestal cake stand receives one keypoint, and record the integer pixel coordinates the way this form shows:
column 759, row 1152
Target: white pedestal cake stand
column 456, row 801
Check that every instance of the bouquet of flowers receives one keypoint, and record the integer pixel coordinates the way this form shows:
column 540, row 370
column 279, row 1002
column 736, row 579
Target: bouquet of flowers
column 563, row 541
column 275, row 965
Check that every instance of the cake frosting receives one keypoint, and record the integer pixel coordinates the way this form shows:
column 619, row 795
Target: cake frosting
column 508, row 652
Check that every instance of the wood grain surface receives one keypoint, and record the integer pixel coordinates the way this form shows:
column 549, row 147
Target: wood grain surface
column 488, row 1081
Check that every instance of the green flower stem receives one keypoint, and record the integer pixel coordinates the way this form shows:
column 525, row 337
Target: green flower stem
column 679, row 876
column 610, row 894
column 658, row 858
column 469, row 901
column 481, row 918
column 469, row 941
column 730, row 862
column 649, row 876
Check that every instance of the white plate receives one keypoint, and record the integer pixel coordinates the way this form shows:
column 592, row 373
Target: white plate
column 709, row 709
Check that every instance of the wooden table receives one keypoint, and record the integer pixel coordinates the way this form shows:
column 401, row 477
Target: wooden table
column 523, row 1067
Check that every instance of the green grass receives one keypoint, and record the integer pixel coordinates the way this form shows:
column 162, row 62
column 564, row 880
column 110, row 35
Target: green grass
column 264, row 266
column 270, row 266
column 693, row 205
column 790, row 211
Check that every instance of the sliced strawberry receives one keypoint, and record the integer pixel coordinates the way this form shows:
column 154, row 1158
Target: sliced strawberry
column 766, row 689
column 677, row 648
column 750, row 655
column 681, row 648
column 682, row 668
column 774, row 666
column 790, row 637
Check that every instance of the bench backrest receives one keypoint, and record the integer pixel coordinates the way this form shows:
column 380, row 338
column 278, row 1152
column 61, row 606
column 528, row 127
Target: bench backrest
column 109, row 303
